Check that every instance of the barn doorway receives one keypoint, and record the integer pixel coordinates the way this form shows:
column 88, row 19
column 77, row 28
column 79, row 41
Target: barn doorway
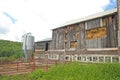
column 46, row 46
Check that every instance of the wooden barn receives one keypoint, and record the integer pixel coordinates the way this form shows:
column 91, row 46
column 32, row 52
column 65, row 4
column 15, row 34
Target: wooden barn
column 90, row 39
column 95, row 38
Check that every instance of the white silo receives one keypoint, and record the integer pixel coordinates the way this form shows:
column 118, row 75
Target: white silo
column 28, row 45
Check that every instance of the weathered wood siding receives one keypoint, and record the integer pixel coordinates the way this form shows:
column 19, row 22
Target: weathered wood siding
column 112, row 31
column 58, row 39
column 106, row 37
column 82, row 40
column 96, row 33
column 42, row 45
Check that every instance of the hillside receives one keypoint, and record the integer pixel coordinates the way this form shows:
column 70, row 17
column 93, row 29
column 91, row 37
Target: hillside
column 10, row 49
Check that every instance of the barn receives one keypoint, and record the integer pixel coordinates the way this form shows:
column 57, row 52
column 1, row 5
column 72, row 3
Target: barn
column 95, row 38
column 90, row 39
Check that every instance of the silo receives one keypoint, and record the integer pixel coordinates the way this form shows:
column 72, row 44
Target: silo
column 28, row 45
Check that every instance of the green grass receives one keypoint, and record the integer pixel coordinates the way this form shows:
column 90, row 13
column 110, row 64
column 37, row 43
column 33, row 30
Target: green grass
column 73, row 71
column 15, row 77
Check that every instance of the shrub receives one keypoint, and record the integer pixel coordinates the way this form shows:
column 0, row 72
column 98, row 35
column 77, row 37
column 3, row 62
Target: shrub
column 37, row 74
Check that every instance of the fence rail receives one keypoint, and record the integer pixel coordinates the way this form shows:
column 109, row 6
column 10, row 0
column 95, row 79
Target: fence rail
column 21, row 67
column 17, row 67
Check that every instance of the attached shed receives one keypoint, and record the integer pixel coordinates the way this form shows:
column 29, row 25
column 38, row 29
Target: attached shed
column 43, row 45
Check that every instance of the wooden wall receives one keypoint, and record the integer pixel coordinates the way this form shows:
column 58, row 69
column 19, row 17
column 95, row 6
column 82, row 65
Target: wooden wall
column 42, row 45
column 112, row 31
column 58, row 39
column 105, row 35
column 96, row 33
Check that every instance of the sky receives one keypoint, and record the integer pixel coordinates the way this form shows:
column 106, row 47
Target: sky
column 39, row 17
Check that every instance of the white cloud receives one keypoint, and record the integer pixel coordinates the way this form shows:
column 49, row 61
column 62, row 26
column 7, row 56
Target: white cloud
column 40, row 16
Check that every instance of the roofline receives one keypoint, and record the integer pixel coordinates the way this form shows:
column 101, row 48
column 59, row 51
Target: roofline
column 97, row 15
column 44, row 41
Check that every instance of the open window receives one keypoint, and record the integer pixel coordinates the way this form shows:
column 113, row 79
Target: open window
column 96, row 33
column 104, row 22
column 77, row 35
column 73, row 44
column 46, row 46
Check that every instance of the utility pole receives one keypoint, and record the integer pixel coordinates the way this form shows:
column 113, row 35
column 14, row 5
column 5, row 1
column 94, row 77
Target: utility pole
column 118, row 14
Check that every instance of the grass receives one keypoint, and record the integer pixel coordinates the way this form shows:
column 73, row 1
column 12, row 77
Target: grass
column 15, row 77
column 73, row 71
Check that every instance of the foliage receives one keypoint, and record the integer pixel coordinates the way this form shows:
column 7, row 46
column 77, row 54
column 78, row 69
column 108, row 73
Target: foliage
column 37, row 74
column 10, row 49
column 76, row 71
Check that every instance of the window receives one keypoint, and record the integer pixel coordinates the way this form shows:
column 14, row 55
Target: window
column 115, row 59
column 53, row 56
column 96, row 28
column 101, row 23
column 67, row 57
column 46, row 46
column 96, row 33
column 62, row 57
column 73, row 44
column 42, row 55
column 104, row 22
column 79, row 58
column 101, row 59
column 83, row 58
column 77, row 35
column 85, row 25
column 95, row 59
column 107, row 59
column 89, row 58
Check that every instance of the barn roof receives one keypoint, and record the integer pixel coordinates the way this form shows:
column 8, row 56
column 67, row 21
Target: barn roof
column 45, row 40
column 97, row 15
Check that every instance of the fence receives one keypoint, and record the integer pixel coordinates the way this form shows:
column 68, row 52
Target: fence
column 22, row 67
column 16, row 67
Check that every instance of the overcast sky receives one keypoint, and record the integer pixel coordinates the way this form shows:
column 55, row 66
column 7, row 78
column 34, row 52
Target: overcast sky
column 18, row 17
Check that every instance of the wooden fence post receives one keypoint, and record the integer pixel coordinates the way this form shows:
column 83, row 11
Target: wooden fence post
column 17, row 65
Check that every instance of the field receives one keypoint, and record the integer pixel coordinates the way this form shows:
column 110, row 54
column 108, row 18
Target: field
column 73, row 71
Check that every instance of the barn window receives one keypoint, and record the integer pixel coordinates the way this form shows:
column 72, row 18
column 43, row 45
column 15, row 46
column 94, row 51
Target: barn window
column 42, row 56
column 77, row 35
column 95, row 23
column 101, row 59
column 101, row 23
column 115, row 59
column 104, row 22
column 85, row 25
column 67, row 57
column 79, row 58
column 53, row 56
column 95, row 33
column 107, row 59
column 73, row 44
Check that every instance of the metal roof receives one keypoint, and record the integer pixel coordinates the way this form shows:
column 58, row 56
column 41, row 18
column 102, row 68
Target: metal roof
column 45, row 40
column 100, row 14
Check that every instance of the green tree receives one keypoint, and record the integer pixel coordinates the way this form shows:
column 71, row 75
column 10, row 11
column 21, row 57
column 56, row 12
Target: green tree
column 10, row 49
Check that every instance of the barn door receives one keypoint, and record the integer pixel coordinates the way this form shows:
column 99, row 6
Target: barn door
column 46, row 47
